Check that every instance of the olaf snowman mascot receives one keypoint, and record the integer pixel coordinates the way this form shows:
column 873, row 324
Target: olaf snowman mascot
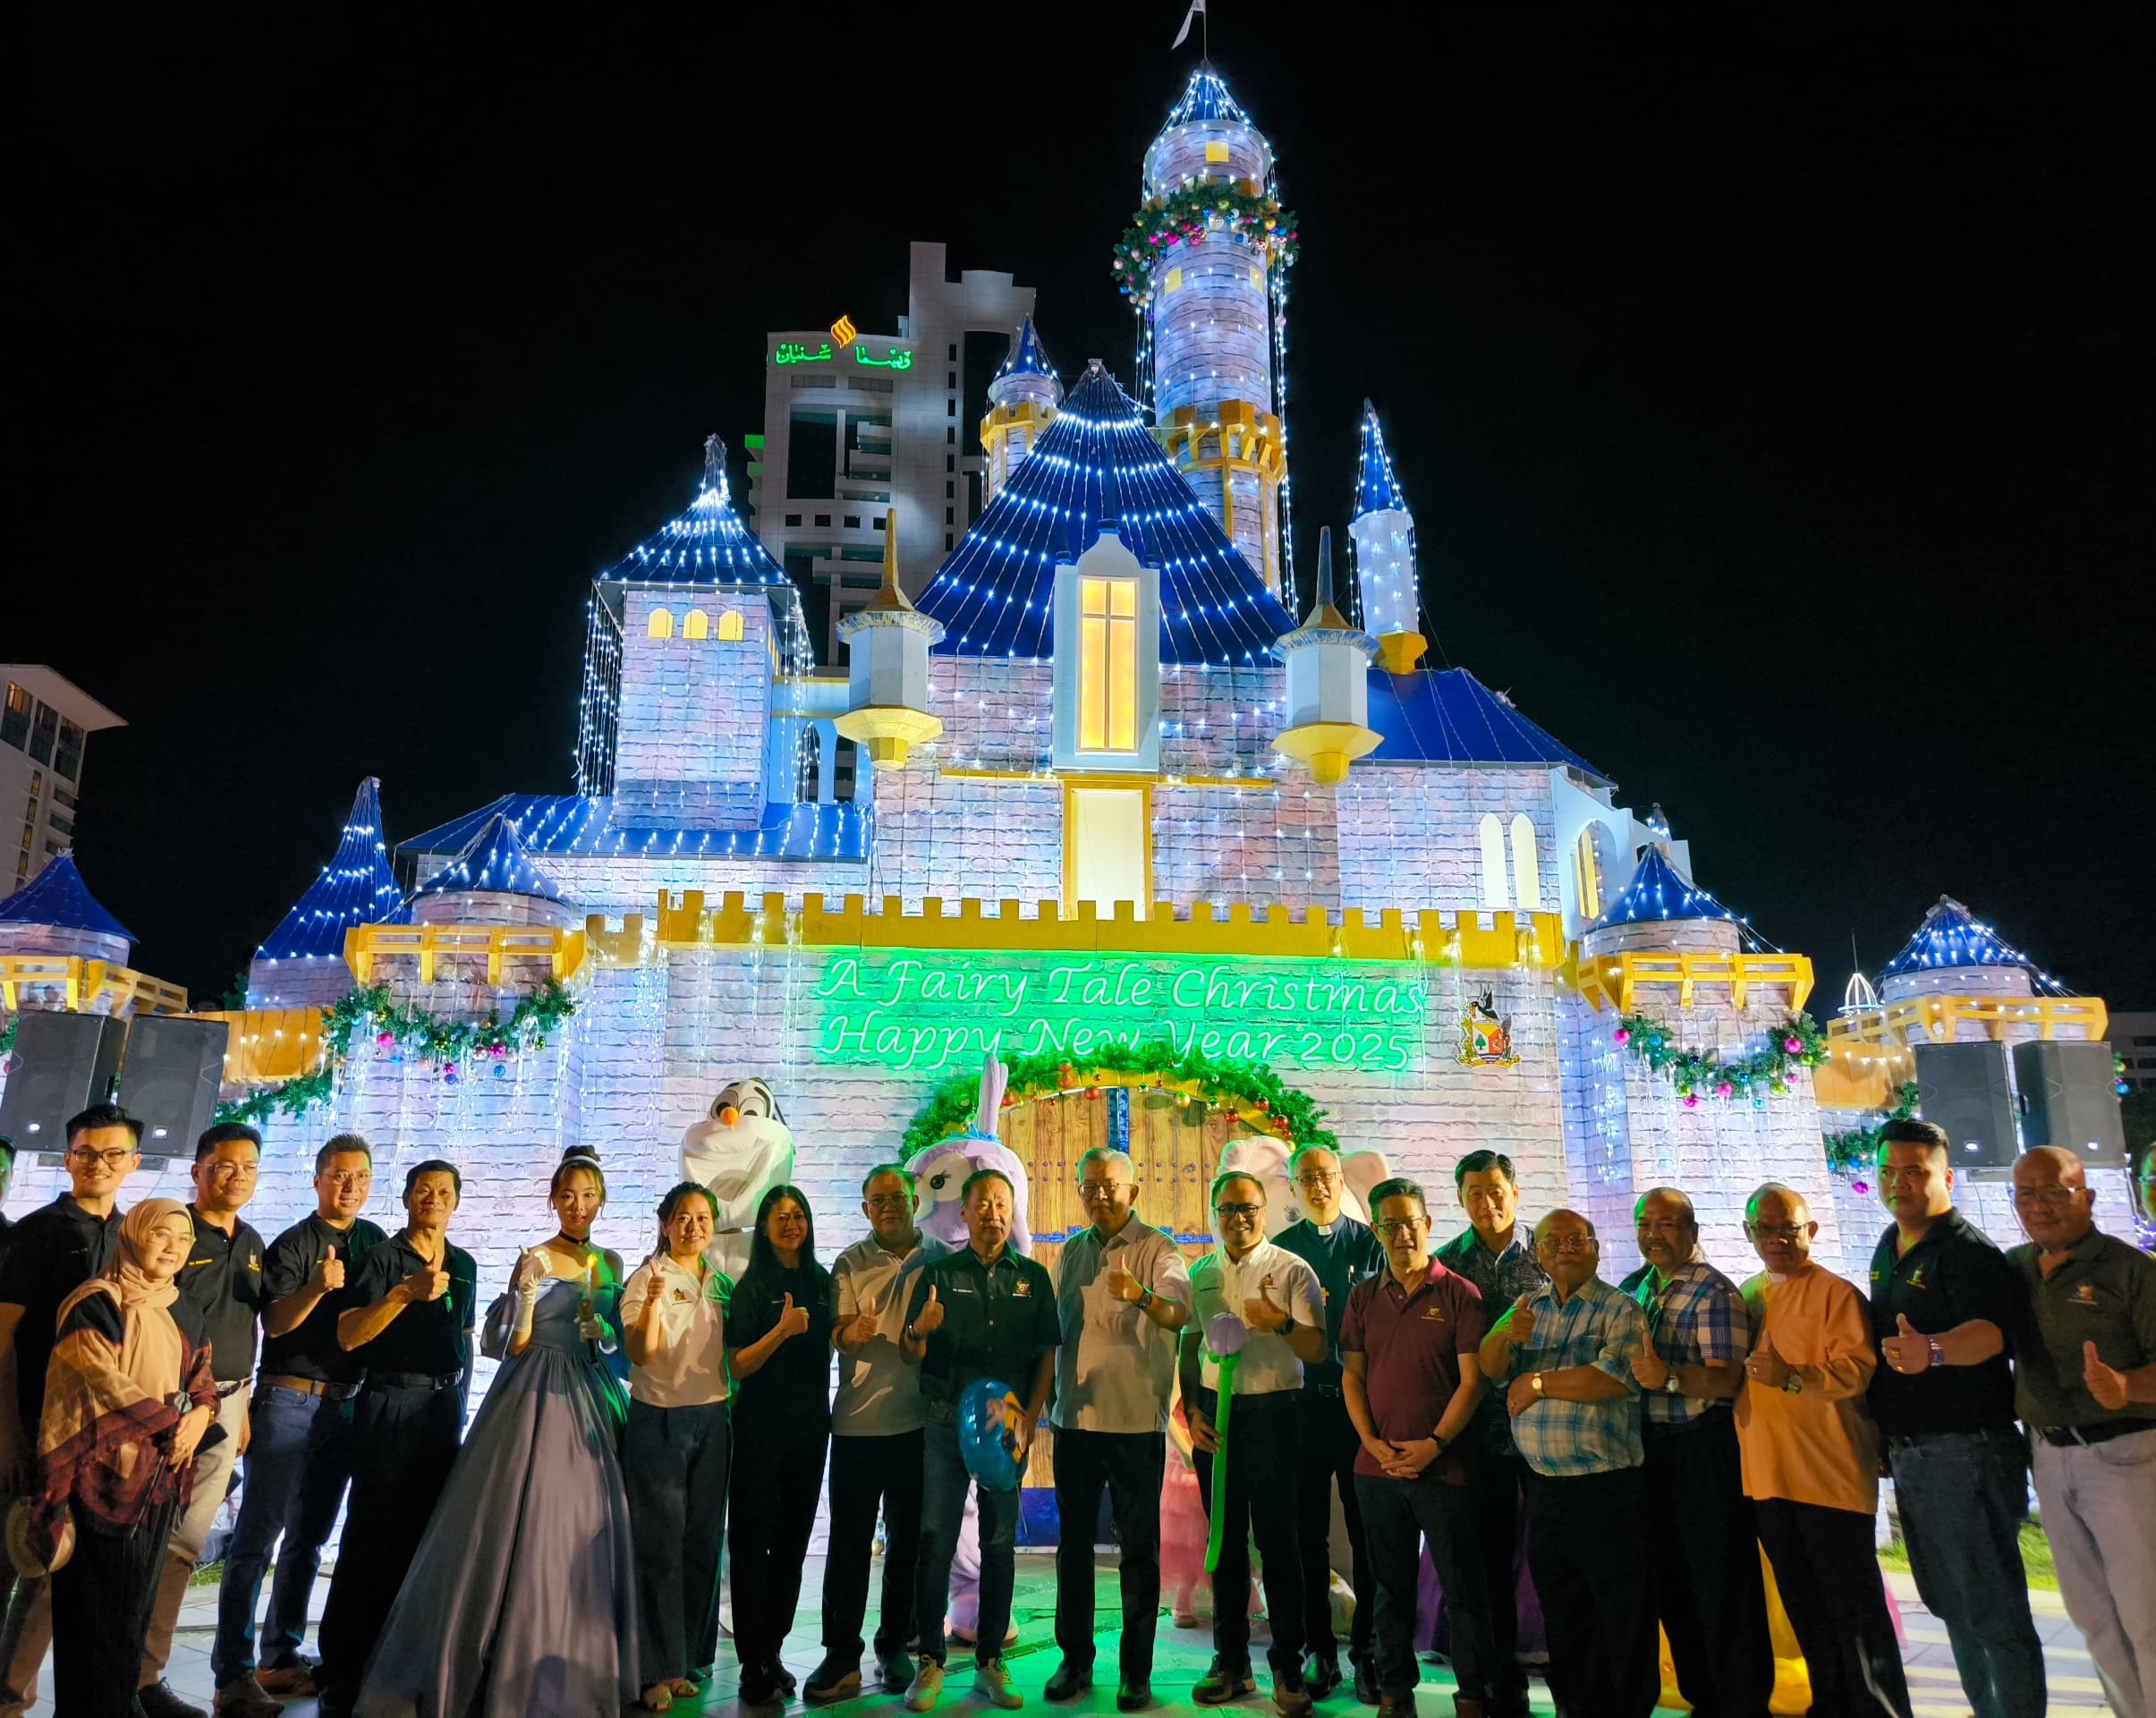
column 939, row 1173
column 741, row 1151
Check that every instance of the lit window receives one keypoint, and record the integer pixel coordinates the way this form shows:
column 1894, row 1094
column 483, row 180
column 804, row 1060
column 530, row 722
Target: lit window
column 1172, row 280
column 1215, row 150
column 1589, row 864
column 1108, row 665
column 1526, row 873
column 14, row 720
column 1105, row 838
column 729, row 625
column 660, row 624
column 696, row 624
column 1496, row 896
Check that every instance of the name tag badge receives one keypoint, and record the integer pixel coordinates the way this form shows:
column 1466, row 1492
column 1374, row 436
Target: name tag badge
column 1022, row 1289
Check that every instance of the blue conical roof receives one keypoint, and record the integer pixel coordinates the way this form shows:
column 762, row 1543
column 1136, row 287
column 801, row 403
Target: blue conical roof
column 1447, row 715
column 1377, row 490
column 58, row 896
column 355, row 888
column 707, row 544
column 1026, row 357
column 1951, row 936
column 1205, row 97
column 1658, row 891
column 992, row 593
column 493, row 860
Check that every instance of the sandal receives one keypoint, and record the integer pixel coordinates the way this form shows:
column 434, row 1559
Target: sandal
column 684, row 1689
column 657, row 1697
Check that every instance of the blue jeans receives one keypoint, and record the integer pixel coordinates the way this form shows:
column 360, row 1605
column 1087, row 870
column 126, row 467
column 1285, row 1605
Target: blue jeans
column 297, row 1458
column 944, row 1480
column 1963, row 1497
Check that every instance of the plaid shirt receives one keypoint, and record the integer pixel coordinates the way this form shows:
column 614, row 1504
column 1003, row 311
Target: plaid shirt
column 1698, row 1315
column 1599, row 1327
column 1501, row 1278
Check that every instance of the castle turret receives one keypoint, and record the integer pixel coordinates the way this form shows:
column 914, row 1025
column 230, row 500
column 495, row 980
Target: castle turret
column 302, row 962
column 1022, row 399
column 1383, row 531
column 887, row 674
column 1201, row 264
column 1953, row 954
column 1328, row 683
column 493, row 881
column 57, row 914
column 1660, row 909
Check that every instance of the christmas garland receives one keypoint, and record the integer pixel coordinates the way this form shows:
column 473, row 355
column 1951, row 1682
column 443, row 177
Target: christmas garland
column 409, row 1034
column 1186, row 216
column 1250, row 1091
column 1857, row 1148
column 7, row 1034
column 1798, row 1043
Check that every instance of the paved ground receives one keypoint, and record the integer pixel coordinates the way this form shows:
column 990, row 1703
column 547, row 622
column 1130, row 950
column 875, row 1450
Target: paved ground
column 1182, row 1654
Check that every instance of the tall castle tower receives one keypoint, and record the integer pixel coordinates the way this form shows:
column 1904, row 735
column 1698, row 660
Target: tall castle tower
column 1022, row 399
column 1202, row 265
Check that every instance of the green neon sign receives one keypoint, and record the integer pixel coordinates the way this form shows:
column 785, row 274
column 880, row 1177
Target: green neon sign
column 791, row 351
column 927, row 1015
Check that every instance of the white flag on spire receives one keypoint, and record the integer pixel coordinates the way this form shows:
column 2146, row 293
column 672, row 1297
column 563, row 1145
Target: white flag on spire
column 1183, row 34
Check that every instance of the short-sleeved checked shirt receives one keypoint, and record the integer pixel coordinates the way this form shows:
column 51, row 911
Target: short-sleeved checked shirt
column 1501, row 1278
column 1697, row 1316
column 1599, row 1327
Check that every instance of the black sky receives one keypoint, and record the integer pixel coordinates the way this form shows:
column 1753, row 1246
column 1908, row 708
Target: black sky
column 1774, row 403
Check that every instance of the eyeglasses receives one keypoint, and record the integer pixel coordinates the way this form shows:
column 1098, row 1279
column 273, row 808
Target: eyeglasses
column 1238, row 1211
column 1098, row 1189
column 1566, row 1243
column 348, row 1178
column 1404, row 1226
column 2046, row 1196
column 112, row 1160
column 888, row 1201
column 1777, row 1232
column 234, row 1168
column 1319, row 1178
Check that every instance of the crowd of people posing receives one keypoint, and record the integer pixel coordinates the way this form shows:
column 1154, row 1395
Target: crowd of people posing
column 1642, row 1439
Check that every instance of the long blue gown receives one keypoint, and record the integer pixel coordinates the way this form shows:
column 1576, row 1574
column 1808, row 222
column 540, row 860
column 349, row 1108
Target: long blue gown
column 523, row 1597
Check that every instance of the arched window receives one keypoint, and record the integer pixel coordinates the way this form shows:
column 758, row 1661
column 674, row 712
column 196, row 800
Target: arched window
column 1587, row 859
column 1526, row 873
column 1496, row 898
column 729, row 625
column 660, row 624
column 696, row 624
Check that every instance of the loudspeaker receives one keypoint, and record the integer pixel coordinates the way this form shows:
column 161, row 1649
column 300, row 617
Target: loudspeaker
column 170, row 1080
column 61, row 1063
column 1963, row 1087
column 2069, row 1098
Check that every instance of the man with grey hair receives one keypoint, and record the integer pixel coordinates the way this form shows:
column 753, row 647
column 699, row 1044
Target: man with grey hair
column 1122, row 1294
column 1343, row 1252
column 1707, row 1577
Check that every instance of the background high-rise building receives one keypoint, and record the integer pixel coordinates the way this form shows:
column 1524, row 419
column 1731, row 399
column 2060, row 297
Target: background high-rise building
column 43, row 725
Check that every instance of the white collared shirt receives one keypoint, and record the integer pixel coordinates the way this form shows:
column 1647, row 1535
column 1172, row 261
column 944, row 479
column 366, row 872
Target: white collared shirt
column 1115, row 1366
column 688, row 1362
column 1220, row 1284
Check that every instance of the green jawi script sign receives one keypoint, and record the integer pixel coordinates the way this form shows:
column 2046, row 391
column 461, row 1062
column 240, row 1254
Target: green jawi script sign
column 930, row 1013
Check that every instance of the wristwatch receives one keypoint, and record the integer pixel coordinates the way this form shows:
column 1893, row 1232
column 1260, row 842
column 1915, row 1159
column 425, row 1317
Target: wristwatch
column 1145, row 1298
column 1670, row 1387
column 1938, row 1350
column 1534, row 1383
column 1793, row 1385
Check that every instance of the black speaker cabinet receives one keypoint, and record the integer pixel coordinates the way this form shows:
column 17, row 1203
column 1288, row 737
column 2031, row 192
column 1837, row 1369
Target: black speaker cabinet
column 61, row 1065
column 1963, row 1088
column 170, row 1080
column 2069, row 1098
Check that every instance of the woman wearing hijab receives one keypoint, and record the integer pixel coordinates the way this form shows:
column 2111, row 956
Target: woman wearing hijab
column 522, row 1599
column 778, row 1346
column 675, row 1453
column 128, row 1397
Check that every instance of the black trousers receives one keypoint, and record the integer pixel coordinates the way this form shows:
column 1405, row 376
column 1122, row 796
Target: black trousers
column 1329, row 1447
column 1129, row 1465
column 1495, row 1492
column 1264, row 1455
column 1398, row 1515
column 1828, row 1573
column 402, row 1444
column 101, row 1602
column 674, row 1462
column 867, row 1473
column 1707, row 1579
column 777, row 1478
column 1583, row 1535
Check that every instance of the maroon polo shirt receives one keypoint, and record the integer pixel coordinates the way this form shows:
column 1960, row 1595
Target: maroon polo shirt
column 1412, row 1345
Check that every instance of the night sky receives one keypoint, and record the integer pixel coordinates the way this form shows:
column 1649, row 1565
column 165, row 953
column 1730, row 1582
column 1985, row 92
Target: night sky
column 1775, row 408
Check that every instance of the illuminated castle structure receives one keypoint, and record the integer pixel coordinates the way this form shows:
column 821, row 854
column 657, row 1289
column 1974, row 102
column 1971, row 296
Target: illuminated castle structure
column 1110, row 788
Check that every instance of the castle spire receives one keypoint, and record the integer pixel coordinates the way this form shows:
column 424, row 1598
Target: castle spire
column 1328, row 698
column 1384, row 533
column 888, row 668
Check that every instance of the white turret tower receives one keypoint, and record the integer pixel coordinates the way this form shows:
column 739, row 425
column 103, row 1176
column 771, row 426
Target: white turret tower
column 1383, row 533
column 1022, row 400
column 1328, row 683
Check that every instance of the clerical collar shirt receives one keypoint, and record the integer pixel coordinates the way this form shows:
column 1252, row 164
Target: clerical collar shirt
column 1343, row 1252
column 1115, row 1366
column 1695, row 1316
column 1599, row 1327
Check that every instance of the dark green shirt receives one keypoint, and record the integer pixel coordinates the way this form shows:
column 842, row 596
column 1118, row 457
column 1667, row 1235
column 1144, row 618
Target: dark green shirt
column 2105, row 1293
column 1953, row 1275
column 998, row 1321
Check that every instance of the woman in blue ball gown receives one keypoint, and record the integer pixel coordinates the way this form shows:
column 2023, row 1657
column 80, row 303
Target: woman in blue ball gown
column 523, row 1597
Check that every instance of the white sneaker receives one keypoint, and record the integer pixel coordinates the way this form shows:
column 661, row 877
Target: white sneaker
column 992, row 1682
column 926, row 1688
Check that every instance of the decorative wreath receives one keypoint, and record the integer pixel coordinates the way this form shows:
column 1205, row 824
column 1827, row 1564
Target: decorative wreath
column 1186, row 216
column 1798, row 1043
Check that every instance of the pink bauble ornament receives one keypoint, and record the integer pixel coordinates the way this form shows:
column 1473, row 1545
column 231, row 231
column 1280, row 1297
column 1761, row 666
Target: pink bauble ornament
column 1692, row 1099
column 1791, row 1046
column 1623, row 1034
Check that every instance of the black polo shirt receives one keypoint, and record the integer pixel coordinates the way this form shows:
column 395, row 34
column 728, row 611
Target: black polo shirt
column 50, row 1253
column 1342, row 1256
column 223, row 1280
column 1951, row 1276
column 431, row 1337
column 310, row 1349
column 794, row 1384
column 998, row 1321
